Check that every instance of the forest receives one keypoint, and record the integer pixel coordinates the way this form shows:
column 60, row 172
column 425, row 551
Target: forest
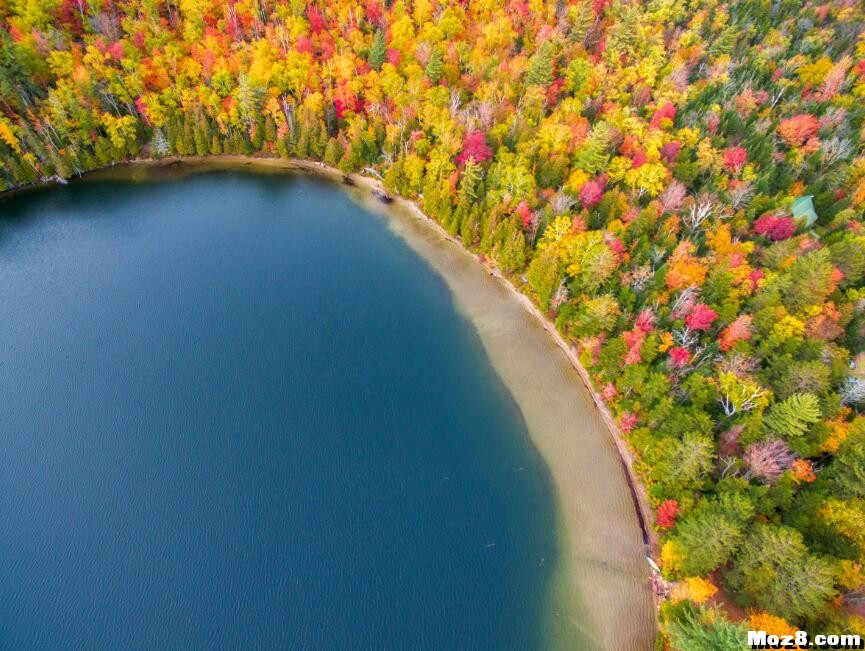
column 679, row 184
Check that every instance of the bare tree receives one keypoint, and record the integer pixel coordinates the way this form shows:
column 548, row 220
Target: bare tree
column 562, row 203
column 698, row 212
column 685, row 301
column 767, row 460
column 742, row 397
column 853, row 390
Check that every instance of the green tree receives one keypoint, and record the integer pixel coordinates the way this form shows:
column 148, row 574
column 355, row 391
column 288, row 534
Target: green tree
column 794, row 416
column 540, row 72
column 810, row 280
column 594, row 153
column 847, row 472
column 708, row 538
column 776, row 573
column 543, row 275
column 378, row 50
column 706, row 630
column 435, row 67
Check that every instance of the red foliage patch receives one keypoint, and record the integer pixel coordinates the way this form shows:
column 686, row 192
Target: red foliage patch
column 701, row 317
column 679, row 356
column 593, row 191
column 475, row 147
column 735, row 159
column 666, row 515
column 775, row 227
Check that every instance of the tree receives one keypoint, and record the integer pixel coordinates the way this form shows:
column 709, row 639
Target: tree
column 768, row 459
column 847, row 472
column 475, row 148
column 793, row 416
column 706, row 630
column 378, row 50
column 707, row 538
column 594, row 153
column 776, row 573
column 435, row 67
column 740, row 394
column 665, row 518
column 540, row 70
column 797, row 129
column 589, row 261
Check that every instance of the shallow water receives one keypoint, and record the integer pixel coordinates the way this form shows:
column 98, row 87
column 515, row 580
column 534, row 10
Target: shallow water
column 238, row 411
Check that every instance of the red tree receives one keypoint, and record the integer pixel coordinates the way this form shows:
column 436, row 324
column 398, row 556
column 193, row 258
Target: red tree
column 475, row 147
column 735, row 158
column 775, row 227
column 701, row 317
column 679, row 356
column 666, row 516
column 593, row 191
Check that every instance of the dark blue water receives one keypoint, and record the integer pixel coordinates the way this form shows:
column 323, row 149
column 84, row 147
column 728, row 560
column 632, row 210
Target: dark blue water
column 237, row 412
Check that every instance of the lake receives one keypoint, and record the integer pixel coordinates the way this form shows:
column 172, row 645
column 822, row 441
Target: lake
column 239, row 412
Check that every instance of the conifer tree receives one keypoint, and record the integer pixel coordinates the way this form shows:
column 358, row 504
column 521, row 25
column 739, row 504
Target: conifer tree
column 435, row 67
column 378, row 50
column 793, row 416
column 594, row 153
column 541, row 66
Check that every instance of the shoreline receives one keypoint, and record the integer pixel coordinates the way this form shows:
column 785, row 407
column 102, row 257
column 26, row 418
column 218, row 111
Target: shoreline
column 556, row 421
column 641, row 503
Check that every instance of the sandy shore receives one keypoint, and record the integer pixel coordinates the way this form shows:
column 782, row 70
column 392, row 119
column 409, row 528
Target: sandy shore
column 601, row 598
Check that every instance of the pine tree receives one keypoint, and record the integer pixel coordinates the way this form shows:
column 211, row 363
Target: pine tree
column 378, row 50
column 543, row 274
column 725, row 42
column 215, row 145
column 469, row 226
column 435, row 67
column 269, row 129
column 793, row 416
column 541, row 66
column 331, row 121
column 511, row 253
column 593, row 154
column 202, row 136
column 333, row 152
column 581, row 19
column 470, row 183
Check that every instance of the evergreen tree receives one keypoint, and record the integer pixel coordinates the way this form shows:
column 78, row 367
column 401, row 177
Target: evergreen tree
column 202, row 136
column 594, row 153
column 794, row 416
column 540, row 70
column 706, row 630
column 333, row 152
column 435, row 67
column 159, row 144
column 215, row 145
column 378, row 50
column 778, row 574
column 543, row 274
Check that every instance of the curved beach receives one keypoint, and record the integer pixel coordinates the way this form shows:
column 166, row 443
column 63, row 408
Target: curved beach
column 603, row 577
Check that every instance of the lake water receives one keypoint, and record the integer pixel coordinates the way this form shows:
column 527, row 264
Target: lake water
column 239, row 412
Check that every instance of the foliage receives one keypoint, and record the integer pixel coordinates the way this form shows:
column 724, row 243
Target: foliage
column 705, row 630
column 776, row 573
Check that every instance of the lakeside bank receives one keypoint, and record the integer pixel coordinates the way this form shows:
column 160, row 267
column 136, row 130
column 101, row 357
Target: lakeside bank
column 602, row 573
